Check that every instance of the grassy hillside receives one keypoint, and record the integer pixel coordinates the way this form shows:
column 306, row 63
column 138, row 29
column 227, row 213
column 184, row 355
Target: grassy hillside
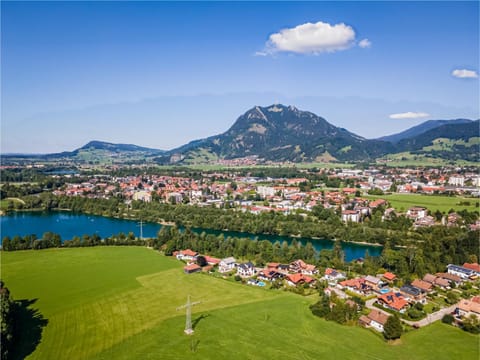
column 120, row 303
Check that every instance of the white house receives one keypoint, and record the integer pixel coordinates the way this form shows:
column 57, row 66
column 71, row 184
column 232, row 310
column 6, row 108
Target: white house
column 186, row 255
column 246, row 269
column 227, row 264
column 460, row 271
column 377, row 319
column 351, row 215
column 416, row 212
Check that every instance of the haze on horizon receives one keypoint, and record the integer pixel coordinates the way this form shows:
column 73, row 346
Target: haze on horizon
column 160, row 74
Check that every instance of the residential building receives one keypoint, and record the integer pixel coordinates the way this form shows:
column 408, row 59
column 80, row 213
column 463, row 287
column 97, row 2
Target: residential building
column 394, row 301
column 413, row 294
column 376, row 319
column 227, row 265
column 299, row 278
column 461, row 271
column 465, row 308
column 246, row 270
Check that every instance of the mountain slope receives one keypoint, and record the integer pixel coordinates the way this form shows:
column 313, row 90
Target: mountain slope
column 420, row 129
column 449, row 142
column 284, row 133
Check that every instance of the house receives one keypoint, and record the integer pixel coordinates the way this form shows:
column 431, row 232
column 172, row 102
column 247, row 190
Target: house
column 299, row 278
column 332, row 275
column 246, row 269
column 424, row 222
column 465, row 308
column 192, row 268
column 299, row 266
column 461, row 271
column 422, row 285
column 374, row 282
column 270, row 274
column 356, row 285
column 450, row 278
column 394, row 301
column 375, row 319
column 376, row 203
column 429, row 278
column 413, row 294
column 186, row 255
column 473, row 266
column 389, row 277
column 351, row 216
column 443, row 283
column 416, row 212
column 211, row 260
column 227, row 264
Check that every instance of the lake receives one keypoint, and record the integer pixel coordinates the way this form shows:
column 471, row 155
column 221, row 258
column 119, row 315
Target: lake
column 69, row 224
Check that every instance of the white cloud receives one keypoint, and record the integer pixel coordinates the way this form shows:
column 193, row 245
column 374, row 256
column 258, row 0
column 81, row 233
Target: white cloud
column 409, row 115
column 260, row 53
column 312, row 39
column 464, row 73
column 365, row 43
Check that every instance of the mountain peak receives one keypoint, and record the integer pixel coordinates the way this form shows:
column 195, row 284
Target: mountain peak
column 282, row 132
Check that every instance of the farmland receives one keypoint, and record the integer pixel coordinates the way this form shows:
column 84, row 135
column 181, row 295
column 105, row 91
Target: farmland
column 120, row 303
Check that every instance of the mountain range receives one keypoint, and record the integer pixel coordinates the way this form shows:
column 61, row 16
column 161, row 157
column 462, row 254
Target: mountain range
column 282, row 133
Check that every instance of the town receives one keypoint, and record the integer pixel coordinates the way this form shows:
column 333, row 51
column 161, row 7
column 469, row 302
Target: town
column 352, row 193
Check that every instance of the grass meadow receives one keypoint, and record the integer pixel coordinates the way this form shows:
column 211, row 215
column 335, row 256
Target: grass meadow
column 402, row 202
column 120, row 303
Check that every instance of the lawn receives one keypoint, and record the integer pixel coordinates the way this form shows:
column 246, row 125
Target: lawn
column 120, row 303
column 402, row 202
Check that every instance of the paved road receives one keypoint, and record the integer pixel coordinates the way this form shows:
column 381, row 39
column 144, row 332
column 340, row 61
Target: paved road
column 424, row 322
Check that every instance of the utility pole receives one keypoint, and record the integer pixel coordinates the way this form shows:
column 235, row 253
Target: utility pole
column 188, row 323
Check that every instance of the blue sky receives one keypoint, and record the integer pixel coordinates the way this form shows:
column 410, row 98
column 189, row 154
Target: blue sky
column 160, row 74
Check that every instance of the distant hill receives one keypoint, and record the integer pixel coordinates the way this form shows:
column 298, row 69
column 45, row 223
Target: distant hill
column 102, row 145
column 283, row 133
column 452, row 142
column 420, row 129
column 94, row 152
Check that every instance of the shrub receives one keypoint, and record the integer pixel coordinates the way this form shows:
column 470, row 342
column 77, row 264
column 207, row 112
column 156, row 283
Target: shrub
column 447, row 319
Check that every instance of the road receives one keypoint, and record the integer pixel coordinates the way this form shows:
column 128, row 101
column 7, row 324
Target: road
column 424, row 322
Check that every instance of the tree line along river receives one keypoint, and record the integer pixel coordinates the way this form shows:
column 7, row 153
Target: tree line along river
column 68, row 225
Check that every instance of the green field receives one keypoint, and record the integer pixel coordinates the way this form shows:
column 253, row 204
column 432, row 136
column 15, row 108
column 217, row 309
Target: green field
column 120, row 303
column 404, row 159
column 402, row 202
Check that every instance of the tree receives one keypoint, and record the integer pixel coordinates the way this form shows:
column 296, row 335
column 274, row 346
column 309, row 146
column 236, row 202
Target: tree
column 393, row 328
column 201, row 261
column 447, row 319
column 6, row 321
column 471, row 324
column 452, row 297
